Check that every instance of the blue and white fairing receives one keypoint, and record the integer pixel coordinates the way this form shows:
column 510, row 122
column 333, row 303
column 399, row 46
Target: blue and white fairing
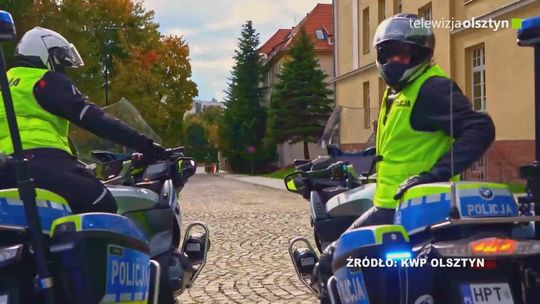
column 430, row 204
column 350, row 281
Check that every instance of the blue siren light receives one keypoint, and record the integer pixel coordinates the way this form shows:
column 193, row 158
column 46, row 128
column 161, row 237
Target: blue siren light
column 398, row 255
column 7, row 26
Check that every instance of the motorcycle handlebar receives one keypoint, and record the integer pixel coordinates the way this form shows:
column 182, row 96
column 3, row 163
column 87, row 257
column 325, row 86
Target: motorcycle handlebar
column 335, row 170
column 169, row 153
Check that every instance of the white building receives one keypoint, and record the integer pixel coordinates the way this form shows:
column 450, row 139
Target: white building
column 199, row 105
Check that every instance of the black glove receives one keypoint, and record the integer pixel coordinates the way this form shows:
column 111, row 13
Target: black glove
column 422, row 178
column 152, row 150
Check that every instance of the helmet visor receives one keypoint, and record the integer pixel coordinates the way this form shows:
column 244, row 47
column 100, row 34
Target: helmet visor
column 406, row 30
column 61, row 51
column 75, row 56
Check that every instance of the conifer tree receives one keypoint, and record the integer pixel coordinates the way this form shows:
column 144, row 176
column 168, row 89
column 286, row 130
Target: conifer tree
column 300, row 103
column 244, row 119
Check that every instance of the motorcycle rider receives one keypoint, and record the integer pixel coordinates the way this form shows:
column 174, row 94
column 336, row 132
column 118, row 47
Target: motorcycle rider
column 45, row 102
column 427, row 130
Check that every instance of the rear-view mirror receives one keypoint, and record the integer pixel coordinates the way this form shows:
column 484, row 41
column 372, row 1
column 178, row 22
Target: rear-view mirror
column 294, row 182
column 187, row 166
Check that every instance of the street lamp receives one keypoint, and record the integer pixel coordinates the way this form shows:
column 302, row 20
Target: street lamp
column 106, row 61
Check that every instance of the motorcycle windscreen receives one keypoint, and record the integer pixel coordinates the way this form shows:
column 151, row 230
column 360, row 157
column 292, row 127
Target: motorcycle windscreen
column 85, row 142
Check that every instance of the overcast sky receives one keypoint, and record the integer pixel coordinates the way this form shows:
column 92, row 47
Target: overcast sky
column 211, row 29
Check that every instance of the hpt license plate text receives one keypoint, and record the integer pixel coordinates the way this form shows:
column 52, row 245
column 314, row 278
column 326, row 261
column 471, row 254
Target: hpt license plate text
column 492, row 293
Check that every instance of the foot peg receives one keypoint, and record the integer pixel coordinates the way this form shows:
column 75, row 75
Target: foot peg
column 195, row 246
column 304, row 260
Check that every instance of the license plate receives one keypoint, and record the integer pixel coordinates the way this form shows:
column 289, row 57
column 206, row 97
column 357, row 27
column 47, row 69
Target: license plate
column 492, row 293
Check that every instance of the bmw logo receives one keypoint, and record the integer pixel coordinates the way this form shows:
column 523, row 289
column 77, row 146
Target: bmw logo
column 485, row 193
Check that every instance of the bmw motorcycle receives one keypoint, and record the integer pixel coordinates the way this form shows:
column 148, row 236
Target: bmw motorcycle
column 134, row 256
column 337, row 196
column 454, row 242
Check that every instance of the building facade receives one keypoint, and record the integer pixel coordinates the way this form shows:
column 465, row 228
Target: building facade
column 199, row 105
column 318, row 24
column 485, row 62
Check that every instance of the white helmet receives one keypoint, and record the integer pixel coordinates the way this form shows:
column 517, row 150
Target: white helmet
column 41, row 47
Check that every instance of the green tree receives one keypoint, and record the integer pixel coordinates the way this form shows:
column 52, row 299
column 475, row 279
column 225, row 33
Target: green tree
column 196, row 138
column 211, row 118
column 244, row 120
column 300, row 103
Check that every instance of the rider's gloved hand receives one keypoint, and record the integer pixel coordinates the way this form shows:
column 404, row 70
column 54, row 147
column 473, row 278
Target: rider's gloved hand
column 152, row 150
column 422, row 178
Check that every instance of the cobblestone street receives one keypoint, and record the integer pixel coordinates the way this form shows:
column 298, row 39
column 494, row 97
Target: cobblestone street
column 250, row 226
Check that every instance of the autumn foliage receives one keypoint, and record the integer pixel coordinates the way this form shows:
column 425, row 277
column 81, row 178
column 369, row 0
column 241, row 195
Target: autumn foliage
column 150, row 70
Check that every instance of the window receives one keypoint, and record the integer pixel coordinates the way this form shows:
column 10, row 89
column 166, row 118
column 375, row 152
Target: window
column 277, row 70
column 398, row 6
column 426, row 12
column 477, row 171
column 382, row 88
column 355, row 35
column 367, row 119
column 478, row 70
column 319, row 34
column 382, row 8
column 198, row 108
column 365, row 30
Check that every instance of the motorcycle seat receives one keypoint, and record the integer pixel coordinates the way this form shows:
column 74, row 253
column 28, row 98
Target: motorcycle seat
column 50, row 207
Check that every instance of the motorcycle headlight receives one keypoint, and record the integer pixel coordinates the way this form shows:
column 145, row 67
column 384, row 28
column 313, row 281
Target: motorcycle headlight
column 8, row 254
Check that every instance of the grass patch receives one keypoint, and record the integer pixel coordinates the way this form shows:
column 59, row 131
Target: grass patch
column 281, row 173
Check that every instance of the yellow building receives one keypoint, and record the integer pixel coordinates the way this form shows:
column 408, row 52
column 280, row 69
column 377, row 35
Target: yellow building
column 481, row 57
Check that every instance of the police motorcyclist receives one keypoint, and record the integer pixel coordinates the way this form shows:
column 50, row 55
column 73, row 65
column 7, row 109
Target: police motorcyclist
column 45, row 102
column 427, row 130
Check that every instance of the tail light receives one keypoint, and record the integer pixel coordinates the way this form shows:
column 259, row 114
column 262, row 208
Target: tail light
column 494, row 246
column 487, row 247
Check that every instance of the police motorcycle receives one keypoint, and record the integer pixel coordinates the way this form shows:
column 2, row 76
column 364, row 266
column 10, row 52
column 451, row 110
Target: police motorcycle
column 438, row 227
column 337, row 196
column 146, row 192
column 48, row 255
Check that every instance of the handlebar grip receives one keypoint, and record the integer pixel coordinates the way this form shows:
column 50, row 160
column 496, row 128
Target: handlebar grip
column 334, row 170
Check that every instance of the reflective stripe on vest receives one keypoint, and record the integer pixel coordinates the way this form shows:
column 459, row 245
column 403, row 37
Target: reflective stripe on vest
column 405, row 152
column 37, row 127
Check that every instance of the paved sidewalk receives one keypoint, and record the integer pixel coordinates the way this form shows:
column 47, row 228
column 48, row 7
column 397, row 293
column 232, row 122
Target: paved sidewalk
column 275, row 183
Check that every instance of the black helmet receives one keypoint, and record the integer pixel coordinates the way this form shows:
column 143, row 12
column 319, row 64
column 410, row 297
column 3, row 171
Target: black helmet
column 398, row 33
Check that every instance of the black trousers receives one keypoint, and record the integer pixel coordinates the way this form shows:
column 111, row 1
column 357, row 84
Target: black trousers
column 374, row 216
column 61, row 173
